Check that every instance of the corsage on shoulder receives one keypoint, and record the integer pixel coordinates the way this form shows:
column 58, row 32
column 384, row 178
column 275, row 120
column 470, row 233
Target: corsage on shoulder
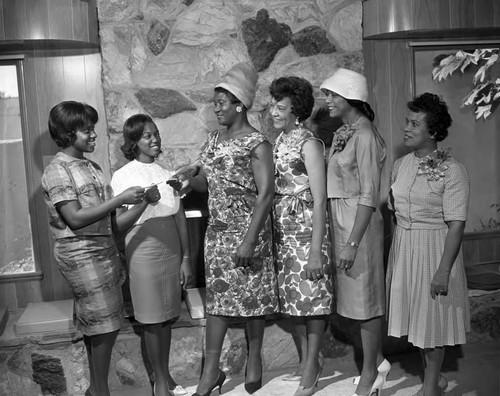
column 433, row 165
column 341, row 137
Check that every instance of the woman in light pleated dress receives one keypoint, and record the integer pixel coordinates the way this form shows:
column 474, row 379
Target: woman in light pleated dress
column 156, row 246
column 353, row 187
column 426, row 284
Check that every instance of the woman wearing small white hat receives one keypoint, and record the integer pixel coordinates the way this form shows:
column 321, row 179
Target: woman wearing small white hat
column 353, row 186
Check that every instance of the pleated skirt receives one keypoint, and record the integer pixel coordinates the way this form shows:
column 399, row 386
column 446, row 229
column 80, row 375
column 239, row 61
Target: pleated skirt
column 153, row 254
column 413, row 260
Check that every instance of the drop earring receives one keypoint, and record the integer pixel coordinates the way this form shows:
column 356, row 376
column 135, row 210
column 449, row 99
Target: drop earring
column 297, row 122
column 239, row 109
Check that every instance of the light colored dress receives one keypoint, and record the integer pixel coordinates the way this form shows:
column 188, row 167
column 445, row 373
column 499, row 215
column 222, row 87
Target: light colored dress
column 87, row 257
column 232, row 290
column 353, row 178
column 152, row 245
column 293, row 211
column 422, row 207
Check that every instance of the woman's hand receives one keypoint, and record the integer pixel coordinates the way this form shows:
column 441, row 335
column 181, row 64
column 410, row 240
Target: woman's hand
column 186, row 272
column 314, row 266
column 244, row 254
column 152, row 195
column 178, row 184
column 439, row 284
column 346, row 257
column 132, row 195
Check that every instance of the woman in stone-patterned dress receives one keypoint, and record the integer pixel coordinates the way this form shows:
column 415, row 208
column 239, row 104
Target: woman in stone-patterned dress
column 426, row 284
column 301, row 237
column 353, row 186
column 237, row 167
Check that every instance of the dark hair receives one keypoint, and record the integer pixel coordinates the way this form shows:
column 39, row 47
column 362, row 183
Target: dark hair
column 300, row 92
column 229, row 94
column 132, row 133
column 68, row 117
column 437, row 117
column 363, row 107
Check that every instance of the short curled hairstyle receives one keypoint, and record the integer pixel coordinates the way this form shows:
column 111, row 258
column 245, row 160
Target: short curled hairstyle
column 132, row 133
column 437, row 117
column 300, row 92
column 66, row 118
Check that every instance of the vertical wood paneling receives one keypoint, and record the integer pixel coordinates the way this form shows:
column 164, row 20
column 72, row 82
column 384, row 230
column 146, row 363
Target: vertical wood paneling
column 80, row 20
column 60, row 18
column 49, row 87
column 8, row 297
column 13, row 13
column 2, row 23
column 28, row 292
column 393, row 16
column 496, row 13
column 462, row 14
column 93, row 30
column 38, row 19
column 49, row 19
column 483, row 15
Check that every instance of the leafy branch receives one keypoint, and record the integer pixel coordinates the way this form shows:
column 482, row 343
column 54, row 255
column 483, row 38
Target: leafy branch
column 485, row 95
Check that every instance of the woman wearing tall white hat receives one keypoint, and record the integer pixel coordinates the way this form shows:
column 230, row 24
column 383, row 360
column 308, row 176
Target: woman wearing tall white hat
column 353, row 186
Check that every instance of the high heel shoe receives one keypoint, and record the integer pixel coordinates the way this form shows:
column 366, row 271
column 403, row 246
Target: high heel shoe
column 220, row 380
column 443, row 385
column 383, row 369
column 377, row 387
column 252, row 387
column 302, row 391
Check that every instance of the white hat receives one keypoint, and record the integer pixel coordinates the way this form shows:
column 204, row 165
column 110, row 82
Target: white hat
column 241, row 81
column 347, row 83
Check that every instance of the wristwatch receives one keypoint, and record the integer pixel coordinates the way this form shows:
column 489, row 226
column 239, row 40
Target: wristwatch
column 353, row 244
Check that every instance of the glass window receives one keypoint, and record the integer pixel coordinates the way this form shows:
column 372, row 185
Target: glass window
column 16, row 242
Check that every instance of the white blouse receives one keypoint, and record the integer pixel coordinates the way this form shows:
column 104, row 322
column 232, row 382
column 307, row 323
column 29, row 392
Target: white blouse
column 137, row 173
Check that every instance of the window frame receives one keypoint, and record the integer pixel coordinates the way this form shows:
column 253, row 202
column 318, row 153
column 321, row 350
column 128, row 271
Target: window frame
column 29, row 161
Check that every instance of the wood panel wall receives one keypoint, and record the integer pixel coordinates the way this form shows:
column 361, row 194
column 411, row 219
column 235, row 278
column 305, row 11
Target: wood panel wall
column 382, row 17
column 74, row 20
column 52, row 76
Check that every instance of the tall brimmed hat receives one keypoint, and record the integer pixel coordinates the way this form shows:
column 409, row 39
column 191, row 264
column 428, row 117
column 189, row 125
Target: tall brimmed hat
column 347, row 83
column 241, row 81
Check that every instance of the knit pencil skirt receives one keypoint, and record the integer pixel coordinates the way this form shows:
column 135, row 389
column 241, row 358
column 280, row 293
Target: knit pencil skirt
column 153, row 254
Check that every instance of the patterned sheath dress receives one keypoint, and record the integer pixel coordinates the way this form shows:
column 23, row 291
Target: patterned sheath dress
column 232, row 290
column 293, row 211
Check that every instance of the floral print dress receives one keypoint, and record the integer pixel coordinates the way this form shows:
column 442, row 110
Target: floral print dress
column 232, row 290
column 293, row 211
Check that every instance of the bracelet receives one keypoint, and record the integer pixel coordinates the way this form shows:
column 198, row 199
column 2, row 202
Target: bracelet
column 353, row 244
column 186, row 257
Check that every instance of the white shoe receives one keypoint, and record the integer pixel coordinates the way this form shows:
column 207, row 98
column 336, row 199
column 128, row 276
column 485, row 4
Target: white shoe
column 383, row 370
column 178, row 391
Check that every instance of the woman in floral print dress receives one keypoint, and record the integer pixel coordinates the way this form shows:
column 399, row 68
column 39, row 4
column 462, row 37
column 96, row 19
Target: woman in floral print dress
column 236, row 167
column 301, row 240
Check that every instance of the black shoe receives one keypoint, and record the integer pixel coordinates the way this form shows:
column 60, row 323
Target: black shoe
column 252, row 387
column 218, row 383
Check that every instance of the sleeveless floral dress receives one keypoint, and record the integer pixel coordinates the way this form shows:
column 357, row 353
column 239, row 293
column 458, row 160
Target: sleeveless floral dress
column 231, row 290
column 293, row 211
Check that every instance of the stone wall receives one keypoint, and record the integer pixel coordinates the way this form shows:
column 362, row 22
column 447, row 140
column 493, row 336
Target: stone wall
column 163, row 57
